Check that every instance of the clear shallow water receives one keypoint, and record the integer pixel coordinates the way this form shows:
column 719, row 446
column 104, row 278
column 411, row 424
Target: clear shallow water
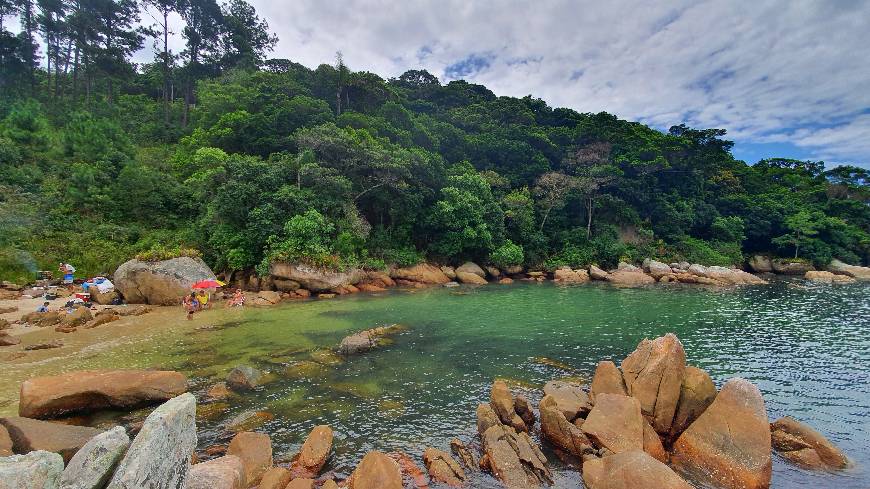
column 805, row 346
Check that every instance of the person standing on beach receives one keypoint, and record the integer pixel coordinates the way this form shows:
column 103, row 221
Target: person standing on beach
column 68, row 272
column 191, row 304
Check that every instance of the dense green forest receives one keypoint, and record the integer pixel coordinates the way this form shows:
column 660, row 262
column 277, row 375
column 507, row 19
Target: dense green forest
column 220, row 151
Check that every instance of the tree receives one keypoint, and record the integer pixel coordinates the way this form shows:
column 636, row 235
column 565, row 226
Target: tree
column 165, row 57
column 245, row 36
column 203, row 20
column 551, row 190
column 802, row 227
column 591, row 165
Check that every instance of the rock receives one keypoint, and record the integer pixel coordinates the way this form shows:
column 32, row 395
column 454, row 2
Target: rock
column 657, row 269
column 36, row 470
column 729, row 444
column 795, row 441
column 90, row 390
column 422, row 272
column 570, row 398
column 330, row 484
column 630, row 470
column 567, row 276
column 828, row 277
column 244, row 378
column 218, row 391
column 559, row 431
column 466, row 457
column 221, row 473
column 314, row 453
column 376, row 471
column 163, row 282
column 133, row 311
column 493, row 272
column 629, row 278
column 42, row 319
column 31, row 434
column 597, row 273
column 653, row 374
column 103, row 317
column 366, row 340
column 313, row 278
column 380, row 279
column 536, row 275
column 791, row 267
column 615, row 423
column 103, row 298
column 486, row 418
column 502, row 402
column 607, row 380
column 760, row 264
column 301, row 484
column 93, row 464
column 249, row 420
column 443, row 468
column 47, row 345
column 8, row 340
column 267, row 298
column 840, row 268
column 513, row 458
column 450, row 272
column 5, row 442
column 284, row 285
column 697, row 392
column 8, row 309
column 326, row 296
column 371, row 288
column 409, row 469
column 471, row 267
column 255, row 452
column 4, row 324
column 506, row 281
column 470, row 278
column 652, row 443
column 159, row 457
column 275, row 478
column 524, row 410
column 627, row 267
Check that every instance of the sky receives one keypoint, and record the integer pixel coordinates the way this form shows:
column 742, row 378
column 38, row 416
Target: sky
column 786, row 78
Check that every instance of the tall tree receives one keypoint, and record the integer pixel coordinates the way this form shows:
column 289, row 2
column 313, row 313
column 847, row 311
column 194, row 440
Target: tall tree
column 203, row 20
column 118, row 38
column 165, row 57
column 593, row 170
column 551, row 189
column 246, row 37
column 28, row 47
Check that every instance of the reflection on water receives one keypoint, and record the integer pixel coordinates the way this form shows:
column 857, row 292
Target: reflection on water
column 805, row 347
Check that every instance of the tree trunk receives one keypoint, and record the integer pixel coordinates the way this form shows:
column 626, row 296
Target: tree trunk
column 544, row 220
column 589, row 203
column 166, row 67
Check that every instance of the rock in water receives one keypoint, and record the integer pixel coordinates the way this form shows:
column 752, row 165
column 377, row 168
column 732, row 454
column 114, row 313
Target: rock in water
column 697, row 392
column 502, row 402
column 838, row 267
column 92, row 465
column 470, row 278
column 423, row 273
column 275, row 478
column 313, row 278
column 366, row 340
column 805, row 446
column 442, row 468
column 163, row 282
column 225, row 472
column 615, row 423
column 653, row 374
column 607, row 380
column 561, row 432
column 570, row 397
column 630, row 470
column 513, row 458
column 314, row 453
column 376, row 471
column 486, row 418
column 472, row 268
column 465, row 455
column 244, row 378
column 30, row 434
column 36, row 470
column 159, row 457
column 255, row 452
column 729, row 444
column 89, row 390
column 630, row 278
column 524, row 410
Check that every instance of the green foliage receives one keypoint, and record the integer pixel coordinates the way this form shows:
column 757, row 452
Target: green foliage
column 163, row 253
column 507, row 255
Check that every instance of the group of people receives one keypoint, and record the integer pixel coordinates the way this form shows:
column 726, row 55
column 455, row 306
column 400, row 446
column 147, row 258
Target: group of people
column 200, row 299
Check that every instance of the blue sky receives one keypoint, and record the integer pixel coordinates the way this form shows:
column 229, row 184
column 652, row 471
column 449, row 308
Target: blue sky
column 784, row 78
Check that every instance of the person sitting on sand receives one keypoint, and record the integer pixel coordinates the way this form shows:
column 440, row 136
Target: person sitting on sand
column 237, row 300
column 43, row 307
column 191, row 304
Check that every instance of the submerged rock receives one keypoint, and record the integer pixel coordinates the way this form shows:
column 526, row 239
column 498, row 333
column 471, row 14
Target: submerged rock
column 93, row 464
column 804, row 446
column 653, row 375
column 163, row 282
column 630, row 470
column 366, row 340
column 30, row 434
column 244, row 378
column 443, row 468
column 36, row 470
column 255, row 452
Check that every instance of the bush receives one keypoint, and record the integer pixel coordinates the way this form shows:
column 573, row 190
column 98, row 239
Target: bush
column 160, row 253
column 708, row 253
column 507, row 255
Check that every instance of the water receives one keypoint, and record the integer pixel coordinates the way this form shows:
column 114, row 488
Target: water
column 805, row 346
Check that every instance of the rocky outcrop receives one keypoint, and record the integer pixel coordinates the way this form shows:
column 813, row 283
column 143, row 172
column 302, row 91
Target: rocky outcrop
column 786, row 266
column 566, row 275
column 225, row 472
column 314, row 453
column 275, row 478
column 760, row 264
column 470, row 278
column 697, row 392
column 42, row 319
column 163, row 282
column 28, row 435
column 443, row 468
column 244, row 378
column 824, row 277
column 513, row 458
column 570, row 398
column 524, row 409
column 369, row 339
column 78, row 317
column 376, row 471
column 267, row 298
column 36, row 470
column 466, row 457
column 423, row 273
column 502, row 402
column 856, row 272
column 255, row 452
column 92, row 465
column 615, row 423
column 607, row 380
column 630, row 470
column 449, row 271
column 90, row 390
column 652, row 443
column 804, row 446
column 471, row 267
column 314, row 278
column 653, row 374
column 729, row 444
column 159, row 457
column 629, row 278
column 657, row 269
column 561, row 432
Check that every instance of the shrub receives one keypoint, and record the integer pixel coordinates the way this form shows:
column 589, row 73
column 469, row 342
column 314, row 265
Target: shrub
column 160, row 253
column 507, row 255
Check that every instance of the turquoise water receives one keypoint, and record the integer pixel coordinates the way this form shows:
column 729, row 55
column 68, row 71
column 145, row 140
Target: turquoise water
column 805, row 346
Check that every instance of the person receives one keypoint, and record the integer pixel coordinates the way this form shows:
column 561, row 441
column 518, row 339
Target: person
column 68, row 272
column 237, row 300
column 43, row 307
column 202, row 297
column 191, row 304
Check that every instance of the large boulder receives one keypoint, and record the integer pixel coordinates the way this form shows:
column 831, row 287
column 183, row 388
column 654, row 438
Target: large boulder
column 275, row 478
column 163, row 282
column 657, row 269
column 5, row 442
column 729, row 444
column 607, row 380
column 88, row 390
column 31, row 434
column 629, row 278
column 615, row 423
column 597, row 274
column 561, row 432
column 470, row 278
column 443, row 468
column 652, row 443
column 570, row 398
column 567, row 276
column 103, row 298
column 760, row 264
column 854, row 271
column 502, row 402
column 825, row 277
column 630, row 470
column 159, row 457
column 314, row 453
column 653, row 374
column 697, row 392
column 786, row 266
column 36, row 470
column 78, row 317
column 314, row 278
column 376, row 471
column 255, row 452
column 225, row 472
column 471, row 267
column 423, row 273
column 92, row 465
column 486, row 418
column 805, row 446
column 514, row 458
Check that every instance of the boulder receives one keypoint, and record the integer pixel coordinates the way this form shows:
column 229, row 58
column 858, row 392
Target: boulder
column 103, row 317
column 653, row 374
column 630, row 470
column 465, row 455
column 513, row 458
column 597, row 273
column 267, row 298
column 785, row 266
column 314, row 278
column 284, row 285
column 46, row 345
column 275, row 478
column 314, row 453
column 103, row 298
column 5, row 442
column 28, row 435
column 255, row 452
column 502, row 402
column 840, row 268
column 4, row 324
column 225, row 472
column 828, row 277
column 471, row 267
column 697, row 392
column 159, row 457
column 370, row 288
column 607, row 380
column 561, row 432
column 218, row 391
column 92, row 465
column 570, row 398
column 366, row 340
column 486, row 418
column 630, row 278
column 423, row 273
column 615, row 423
column 470, row 278
column 524, row 410
column 163, row 282
column 300, row 484
column 493, row 272
column 652, row 443
column 443, row 468
column 567, row 276
column 449, row 271
column 89, row 390
column 244, row 378
column 9, row 340
column 42, row 319
column 506, row 281
column 760, row 264
column 409, row 469
column 657, row 269
column 805, row 446
column 36, row 470
column 729, row 444
column 330, row 484
column 376, row 471
column 78, row 317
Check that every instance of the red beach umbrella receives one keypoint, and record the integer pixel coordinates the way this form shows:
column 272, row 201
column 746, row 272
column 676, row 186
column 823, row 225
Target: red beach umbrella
column 207, row 284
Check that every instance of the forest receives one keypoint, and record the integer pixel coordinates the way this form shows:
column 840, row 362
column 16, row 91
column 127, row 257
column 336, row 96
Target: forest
column 222, row 152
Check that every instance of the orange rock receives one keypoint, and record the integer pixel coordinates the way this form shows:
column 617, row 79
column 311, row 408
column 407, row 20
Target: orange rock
column 443, row 468
column 410, row 469
column 376, row 471
column 255, row 452
column 652, row 444
column 630, row 470
column 653, row 375
column 301, row 483
column 805, row 446
column 314, row 453
column 275, row 478
column 607, row 380
column 5, row 442
column 421, row 273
